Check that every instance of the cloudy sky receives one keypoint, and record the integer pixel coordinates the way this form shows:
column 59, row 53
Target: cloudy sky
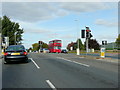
column 63, row 20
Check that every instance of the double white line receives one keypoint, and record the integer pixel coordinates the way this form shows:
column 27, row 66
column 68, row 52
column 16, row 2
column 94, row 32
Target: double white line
column 74, row 62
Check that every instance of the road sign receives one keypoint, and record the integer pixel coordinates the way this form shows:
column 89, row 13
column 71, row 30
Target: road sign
column 102, row 54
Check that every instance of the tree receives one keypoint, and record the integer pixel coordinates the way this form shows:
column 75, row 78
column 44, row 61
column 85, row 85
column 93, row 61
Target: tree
column 118, row 41
column 81, row 46
column 35, row 46
column 92, row 43
column 75, row 45
column 70, row 45
column 45, row 45
column 9, row 29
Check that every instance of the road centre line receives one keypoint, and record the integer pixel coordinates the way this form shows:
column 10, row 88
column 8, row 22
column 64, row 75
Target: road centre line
column 81, row 64
column 51, row 85
column 34, row 63
column 74, row 62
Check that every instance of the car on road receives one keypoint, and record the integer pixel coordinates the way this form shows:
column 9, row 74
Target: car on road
column 45, row 50
column 15, row 53
column 64, row 51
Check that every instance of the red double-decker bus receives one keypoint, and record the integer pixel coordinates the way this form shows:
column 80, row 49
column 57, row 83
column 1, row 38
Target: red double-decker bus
column 55, row 46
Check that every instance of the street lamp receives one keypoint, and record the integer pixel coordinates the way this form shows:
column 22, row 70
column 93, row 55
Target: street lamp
column 78, row 46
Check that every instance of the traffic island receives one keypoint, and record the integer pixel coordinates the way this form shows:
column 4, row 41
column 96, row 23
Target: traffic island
column 99, row 58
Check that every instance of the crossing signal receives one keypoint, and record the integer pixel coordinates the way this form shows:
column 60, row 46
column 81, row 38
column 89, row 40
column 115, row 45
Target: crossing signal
column 104, row 42
column 82, row 33
column 40, row 42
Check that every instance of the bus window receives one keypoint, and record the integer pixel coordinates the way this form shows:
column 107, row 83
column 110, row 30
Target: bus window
column 57, row 41
column 57, row 47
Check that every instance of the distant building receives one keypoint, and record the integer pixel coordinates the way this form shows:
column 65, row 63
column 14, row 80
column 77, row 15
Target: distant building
column 111, row 46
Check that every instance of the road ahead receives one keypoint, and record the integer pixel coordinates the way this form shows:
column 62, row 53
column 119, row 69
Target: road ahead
column 60, row 71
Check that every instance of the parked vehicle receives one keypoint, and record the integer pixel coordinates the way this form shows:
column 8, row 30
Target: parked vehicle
column 55, row 46
column 45, row 50
column 64, row 51
column 15, row 53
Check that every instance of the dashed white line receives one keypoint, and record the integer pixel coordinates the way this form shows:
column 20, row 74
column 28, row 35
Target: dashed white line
column 81, row 64
column 35, row 63
column 51, row 85
column 74, row 62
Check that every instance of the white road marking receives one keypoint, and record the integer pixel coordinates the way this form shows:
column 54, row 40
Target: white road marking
column 51, row 85
column 81, row 64
column 74, row 62
column 34, row 63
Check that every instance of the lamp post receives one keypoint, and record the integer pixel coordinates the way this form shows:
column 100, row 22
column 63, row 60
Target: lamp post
column 78, row 46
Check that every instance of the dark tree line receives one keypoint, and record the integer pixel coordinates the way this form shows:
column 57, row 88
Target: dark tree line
column 93, row 44
column 36, row 46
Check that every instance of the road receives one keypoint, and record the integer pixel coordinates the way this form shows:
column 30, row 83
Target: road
column 59, row 71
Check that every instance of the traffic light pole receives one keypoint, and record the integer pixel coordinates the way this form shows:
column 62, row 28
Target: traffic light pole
column 78, row 49
column 86, row 45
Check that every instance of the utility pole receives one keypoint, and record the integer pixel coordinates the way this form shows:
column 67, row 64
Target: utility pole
column 86, row 45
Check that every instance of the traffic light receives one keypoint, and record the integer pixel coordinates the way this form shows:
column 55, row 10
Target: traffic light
column 3, row 39
column 87, row 28
column 82, row 33
column 40, row 42
column 102, row 42
column 105, row 42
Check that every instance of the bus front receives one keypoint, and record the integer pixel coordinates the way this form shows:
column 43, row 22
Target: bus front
column 57, row 46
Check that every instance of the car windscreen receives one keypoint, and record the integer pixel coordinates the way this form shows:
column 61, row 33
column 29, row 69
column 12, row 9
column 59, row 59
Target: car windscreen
column 15, row 48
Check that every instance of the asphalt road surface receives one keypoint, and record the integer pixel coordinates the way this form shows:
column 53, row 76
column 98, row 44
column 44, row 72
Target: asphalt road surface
column 59, row 71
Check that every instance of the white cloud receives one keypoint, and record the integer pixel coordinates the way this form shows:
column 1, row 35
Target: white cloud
column 40, row 11
column 80, row 7
column 106, row 23
column 29, row 12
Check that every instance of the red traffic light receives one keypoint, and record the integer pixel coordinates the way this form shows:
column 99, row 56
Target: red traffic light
column 88, row 30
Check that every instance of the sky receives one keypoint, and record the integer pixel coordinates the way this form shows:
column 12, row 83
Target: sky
column 46, row 21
